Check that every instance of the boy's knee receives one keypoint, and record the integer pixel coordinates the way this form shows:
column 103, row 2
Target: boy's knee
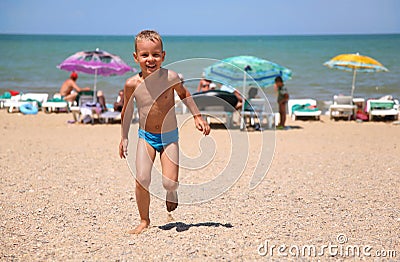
column 170, row 185
column 144, row 181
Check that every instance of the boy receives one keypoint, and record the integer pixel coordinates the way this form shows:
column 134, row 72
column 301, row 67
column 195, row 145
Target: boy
column 283, row 98
column 153, row 89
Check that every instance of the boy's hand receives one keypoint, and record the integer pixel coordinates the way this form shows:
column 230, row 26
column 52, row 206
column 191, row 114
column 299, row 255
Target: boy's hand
column 123, row 148
column 202, row 125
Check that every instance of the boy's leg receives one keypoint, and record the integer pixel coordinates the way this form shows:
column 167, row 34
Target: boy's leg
column 144, row 162
column 169, row 162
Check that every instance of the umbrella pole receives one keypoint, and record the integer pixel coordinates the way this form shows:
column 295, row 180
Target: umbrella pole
column 242, row 120
column 353, row 86
column 94, row 87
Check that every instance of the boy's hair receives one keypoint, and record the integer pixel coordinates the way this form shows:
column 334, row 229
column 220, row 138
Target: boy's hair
column 149, row 35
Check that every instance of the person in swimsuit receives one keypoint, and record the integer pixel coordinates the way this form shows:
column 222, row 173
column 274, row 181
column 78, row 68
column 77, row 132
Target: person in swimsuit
column 69, row 89
column 204, row 85
column 283, row 98
column 153, row 90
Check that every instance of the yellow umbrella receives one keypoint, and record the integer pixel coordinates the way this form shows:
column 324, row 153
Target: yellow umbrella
column 355, row 62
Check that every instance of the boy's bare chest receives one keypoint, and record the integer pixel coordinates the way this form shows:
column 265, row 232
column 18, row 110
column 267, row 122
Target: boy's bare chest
column 154, row 98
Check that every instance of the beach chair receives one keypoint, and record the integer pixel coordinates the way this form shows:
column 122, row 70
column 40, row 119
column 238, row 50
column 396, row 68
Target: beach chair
column 216, row 104
column 342, row 107
column 5, row 98
column 84, row 109
column 110, row 116
column 35, row 99
column 303, row 108
column 382, row 108
column 180, row 107
column 257, row 110
column 56, row 104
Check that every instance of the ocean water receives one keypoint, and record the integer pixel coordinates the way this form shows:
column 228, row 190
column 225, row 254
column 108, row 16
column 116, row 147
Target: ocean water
column 28, row 62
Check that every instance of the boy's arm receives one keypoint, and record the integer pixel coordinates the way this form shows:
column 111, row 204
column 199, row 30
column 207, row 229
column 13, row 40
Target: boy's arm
column 187, row 99
column 127, row 110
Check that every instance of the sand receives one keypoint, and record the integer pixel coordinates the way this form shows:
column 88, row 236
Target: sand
column 66, row 196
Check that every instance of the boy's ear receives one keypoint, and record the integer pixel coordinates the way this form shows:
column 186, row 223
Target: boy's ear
column 135, row 57
column 163, row 55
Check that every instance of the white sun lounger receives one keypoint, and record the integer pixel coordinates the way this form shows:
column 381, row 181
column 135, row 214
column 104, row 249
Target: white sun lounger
column 260, row 111
column 55, row 106
column 303, row 113
column 19, row 100
column 382, row 108
column 342, row 107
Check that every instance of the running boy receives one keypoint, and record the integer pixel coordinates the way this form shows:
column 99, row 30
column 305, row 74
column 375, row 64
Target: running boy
column 153, row 89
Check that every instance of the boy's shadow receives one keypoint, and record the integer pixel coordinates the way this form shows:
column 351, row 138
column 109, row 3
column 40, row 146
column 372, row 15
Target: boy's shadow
column 180, row 226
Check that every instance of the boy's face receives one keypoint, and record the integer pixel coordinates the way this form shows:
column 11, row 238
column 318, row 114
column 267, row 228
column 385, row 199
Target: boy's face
column 149, row 55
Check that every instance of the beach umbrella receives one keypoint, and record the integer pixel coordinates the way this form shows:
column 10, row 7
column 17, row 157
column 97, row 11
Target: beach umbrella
column 234, row 71
column 355, row 63
column 97, row 62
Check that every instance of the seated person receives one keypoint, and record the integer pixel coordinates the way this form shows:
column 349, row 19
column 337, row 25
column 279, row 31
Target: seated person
column 69, row 89
column 251, row 94
column 204, row 85
column 247, row 107
column 236, row 93
column 101, row 100
column 120, row 101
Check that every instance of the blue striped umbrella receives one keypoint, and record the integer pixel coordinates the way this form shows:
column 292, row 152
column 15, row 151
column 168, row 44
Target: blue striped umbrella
column 232, row 71
column 235, row 70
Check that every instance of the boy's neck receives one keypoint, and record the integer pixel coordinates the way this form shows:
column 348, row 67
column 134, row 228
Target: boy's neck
column 144, row 76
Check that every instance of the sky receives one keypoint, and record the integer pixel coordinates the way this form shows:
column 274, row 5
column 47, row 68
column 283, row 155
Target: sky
column 205, row 17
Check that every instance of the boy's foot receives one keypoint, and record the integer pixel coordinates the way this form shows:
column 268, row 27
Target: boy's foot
column 140, row 228
column 171, row 200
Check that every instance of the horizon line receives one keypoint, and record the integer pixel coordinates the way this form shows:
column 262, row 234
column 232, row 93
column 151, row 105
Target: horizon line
column 203, row 35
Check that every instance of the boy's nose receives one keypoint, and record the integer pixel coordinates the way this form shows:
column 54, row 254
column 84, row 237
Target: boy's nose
column 150, row 58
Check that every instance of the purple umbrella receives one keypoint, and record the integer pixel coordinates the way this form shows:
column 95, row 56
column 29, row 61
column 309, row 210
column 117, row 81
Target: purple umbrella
column 96, row 62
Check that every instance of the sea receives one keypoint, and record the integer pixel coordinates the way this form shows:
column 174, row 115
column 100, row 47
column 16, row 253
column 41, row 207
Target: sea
column 28, row 63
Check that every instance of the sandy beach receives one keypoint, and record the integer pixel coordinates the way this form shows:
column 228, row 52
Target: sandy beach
column 66, row 196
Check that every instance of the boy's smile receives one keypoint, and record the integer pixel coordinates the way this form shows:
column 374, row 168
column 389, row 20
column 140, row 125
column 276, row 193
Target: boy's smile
column 149, row 56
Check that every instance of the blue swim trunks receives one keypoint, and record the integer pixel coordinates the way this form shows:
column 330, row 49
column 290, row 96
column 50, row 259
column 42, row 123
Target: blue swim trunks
column 159, row 141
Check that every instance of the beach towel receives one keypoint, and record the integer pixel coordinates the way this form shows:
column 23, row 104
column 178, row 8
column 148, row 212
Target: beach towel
column 6, row 95
column 304, row 108
column 57, row 100
column 384, row 105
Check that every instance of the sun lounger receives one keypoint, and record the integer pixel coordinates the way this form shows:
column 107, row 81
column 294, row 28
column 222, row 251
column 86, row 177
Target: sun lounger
column 258, row 110
column 342, row 107
column 216, row 104
column 306, row 108
column 110, row 116
column 17, row 101
column 382, row 108
column 56, row 104
column 180, row 107
column 4, row 97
